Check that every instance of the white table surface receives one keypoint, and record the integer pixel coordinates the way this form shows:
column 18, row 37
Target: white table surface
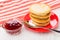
column 28, row 35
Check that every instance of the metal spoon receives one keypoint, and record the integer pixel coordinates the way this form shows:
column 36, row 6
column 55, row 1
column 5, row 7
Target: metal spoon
column 30, row 26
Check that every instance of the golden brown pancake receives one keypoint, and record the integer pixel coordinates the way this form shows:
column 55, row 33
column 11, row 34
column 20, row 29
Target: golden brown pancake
column 39, row 17
column 40, row 14
column 39, row 21
column 39, row 24
column 39, row 9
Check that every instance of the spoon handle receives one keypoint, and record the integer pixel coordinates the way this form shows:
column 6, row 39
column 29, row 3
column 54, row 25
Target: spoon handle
column 55, row 30
column 50, row 29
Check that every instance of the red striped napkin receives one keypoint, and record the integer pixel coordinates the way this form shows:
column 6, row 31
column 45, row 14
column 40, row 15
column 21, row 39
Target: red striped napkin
column 19, row 8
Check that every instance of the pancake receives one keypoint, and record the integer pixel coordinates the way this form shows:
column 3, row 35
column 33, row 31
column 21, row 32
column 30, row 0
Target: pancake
column 40, row 14
column 39, row 9
column 39, row 24
column 40, row 21
column 40, row 17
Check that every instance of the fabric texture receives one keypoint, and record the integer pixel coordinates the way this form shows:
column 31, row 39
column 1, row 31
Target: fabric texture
column 19, row 8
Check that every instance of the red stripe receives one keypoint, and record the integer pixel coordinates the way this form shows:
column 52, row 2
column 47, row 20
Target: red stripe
column 6, row 1
column 49, row 1
column 11, row 2
column 53, row 2
column 55, row 6
column 17, row 8
column 15, row 12
column 14, row 5
column 40, row 1
column 17, row 5
column 10, row 17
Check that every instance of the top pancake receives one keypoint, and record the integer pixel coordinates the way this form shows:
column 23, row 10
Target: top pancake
column 39, row 9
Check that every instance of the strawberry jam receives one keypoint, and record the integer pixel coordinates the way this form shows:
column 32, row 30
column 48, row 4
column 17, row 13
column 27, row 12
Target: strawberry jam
column 13, row 26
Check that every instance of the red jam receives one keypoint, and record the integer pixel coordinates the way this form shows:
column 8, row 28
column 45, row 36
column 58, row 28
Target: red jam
column 12, row 26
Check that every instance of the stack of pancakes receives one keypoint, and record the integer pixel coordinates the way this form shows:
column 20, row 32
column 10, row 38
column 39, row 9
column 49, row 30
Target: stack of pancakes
column 40, row 14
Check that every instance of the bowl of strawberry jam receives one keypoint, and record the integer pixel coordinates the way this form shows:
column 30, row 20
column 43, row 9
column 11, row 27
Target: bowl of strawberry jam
column 13, row 26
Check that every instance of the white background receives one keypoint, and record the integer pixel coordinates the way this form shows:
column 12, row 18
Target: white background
column 28, row 35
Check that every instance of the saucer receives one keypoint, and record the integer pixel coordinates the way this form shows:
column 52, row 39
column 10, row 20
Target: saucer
column 53, row 23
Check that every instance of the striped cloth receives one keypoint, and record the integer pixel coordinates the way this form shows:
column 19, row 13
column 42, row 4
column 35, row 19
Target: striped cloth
column 19, row 8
